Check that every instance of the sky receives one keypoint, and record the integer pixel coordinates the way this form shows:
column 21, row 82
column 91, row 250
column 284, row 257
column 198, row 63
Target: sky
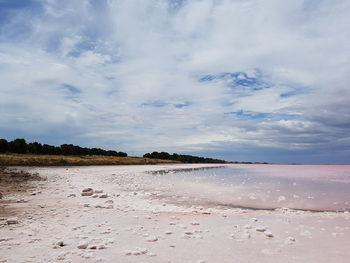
column 240, row 80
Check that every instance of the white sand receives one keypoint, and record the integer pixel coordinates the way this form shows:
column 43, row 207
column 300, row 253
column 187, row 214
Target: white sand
column 134, row 225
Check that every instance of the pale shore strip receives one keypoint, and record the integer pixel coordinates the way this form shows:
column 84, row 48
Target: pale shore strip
column 122, row 219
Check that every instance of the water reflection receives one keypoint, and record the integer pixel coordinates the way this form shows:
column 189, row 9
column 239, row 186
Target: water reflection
column 307, row 187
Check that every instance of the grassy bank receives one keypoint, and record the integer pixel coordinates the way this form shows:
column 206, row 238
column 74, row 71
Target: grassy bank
column 60, row 160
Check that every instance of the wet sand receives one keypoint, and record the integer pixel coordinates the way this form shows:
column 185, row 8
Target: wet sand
column 133, row 220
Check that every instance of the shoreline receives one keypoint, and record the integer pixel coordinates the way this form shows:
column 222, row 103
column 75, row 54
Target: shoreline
column 130, row 222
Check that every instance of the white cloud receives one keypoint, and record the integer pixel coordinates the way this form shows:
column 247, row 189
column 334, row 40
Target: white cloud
column 125, row 56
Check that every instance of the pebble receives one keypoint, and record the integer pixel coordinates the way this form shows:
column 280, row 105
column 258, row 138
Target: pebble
column 87, row 193
column 61, row 243
column 104, row 196
column 12, row 220
column 83, row 245
column 152, row 239
column 260, row 229
column 268, row 234
column 87, row 190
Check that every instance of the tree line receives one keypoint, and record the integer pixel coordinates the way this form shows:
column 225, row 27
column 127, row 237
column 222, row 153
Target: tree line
column 21, row 146
column 181, row 158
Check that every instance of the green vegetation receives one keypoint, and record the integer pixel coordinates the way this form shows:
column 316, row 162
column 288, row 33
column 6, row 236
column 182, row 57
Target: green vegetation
column 181, row 158
column 22, row 147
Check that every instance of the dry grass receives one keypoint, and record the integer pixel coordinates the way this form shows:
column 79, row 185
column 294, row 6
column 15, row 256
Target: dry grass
column 60, row 160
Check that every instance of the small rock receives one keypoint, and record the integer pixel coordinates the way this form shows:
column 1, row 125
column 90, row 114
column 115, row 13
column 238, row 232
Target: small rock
column 87, row 190
column 104, row 196
column 152, row 239
column 98, row 191
column 83, row 245
column 260, row 229
column 268, row 234
column 168, row 232
column 87, row 193
column 102, row 246
column 12, row 221
column 61, row 243
column 72, row 195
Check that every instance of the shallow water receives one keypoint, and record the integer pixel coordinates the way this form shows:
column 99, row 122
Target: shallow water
column 307, row 187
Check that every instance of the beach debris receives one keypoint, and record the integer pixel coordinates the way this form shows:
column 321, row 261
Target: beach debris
column 60, row 243
column 87, row 193
column 12, row 221
column 260, row 229
column 152, row 239
column 136, row 252
column 83, row 245
column 268, row 234
column 289, row 240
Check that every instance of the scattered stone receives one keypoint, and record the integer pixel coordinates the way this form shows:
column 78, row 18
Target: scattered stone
column 87, row 193
column 188, row 232
column 72, row 195
column 12, row 221
column 260, row 229
column 104, row 196
column 102, row 246
column 290, row 240
column 109, row 202
column 61, row 243
column 83, row 245
column 93, row 247
column 87, row 190
column 152, row 239
column 168, row 232
column 195, row 223
column 268, row 234
column 98, row 191
column 95, row 196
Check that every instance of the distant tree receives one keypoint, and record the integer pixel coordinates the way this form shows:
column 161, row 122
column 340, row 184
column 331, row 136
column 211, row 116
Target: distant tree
column 4, row 146
column 18, row 146
column 181, row 158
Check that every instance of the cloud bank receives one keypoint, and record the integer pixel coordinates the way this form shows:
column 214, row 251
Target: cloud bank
column 240, row 80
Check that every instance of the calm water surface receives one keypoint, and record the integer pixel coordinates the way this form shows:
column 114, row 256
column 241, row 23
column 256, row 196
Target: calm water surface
column 309, row 187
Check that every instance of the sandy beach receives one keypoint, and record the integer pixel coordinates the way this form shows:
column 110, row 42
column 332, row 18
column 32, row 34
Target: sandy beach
column 128, row 217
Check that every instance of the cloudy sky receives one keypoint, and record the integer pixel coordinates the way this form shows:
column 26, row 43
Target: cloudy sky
column 245, row 80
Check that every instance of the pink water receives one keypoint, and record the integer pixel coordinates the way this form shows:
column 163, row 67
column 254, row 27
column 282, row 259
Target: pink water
column 307, row 187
